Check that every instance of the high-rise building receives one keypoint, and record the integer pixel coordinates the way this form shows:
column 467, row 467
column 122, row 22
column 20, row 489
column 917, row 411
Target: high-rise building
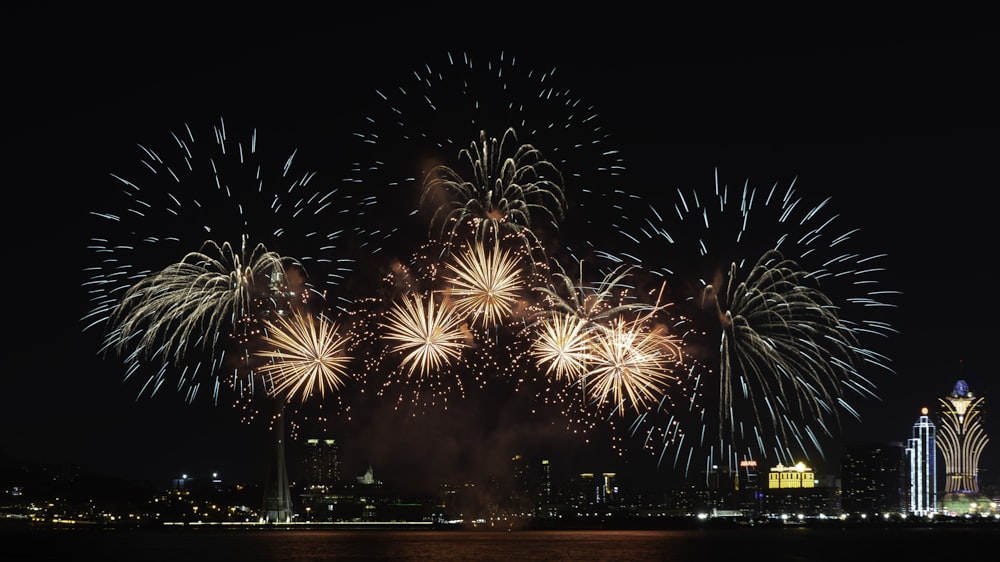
column 520, row 499
column 961, row 438
column 920, row 455
column 608, row 492
column 321, row 463
column 545, row 487
column 749, row 495
column 873, row 479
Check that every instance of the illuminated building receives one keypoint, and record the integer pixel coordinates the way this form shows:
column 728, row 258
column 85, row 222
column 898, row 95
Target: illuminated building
column 961, row 439
column 748, row 493
column 721, row 478
column 588, row 490
column 921, row 454
column 608, row 491
column 798, row 476
column 321, row 463
column 793, row 490
column 545, row 491
column 520, row 497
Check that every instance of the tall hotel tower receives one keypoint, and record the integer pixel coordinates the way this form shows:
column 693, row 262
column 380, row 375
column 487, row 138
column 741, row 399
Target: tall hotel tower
column 321, row 464
column 920, row 456
column 961, row 439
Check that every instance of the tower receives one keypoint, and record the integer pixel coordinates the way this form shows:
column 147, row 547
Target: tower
column 961, row 439
column 277, row 496
column 920, row 456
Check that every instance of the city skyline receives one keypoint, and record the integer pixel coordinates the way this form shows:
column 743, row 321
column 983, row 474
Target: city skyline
column 856, row 142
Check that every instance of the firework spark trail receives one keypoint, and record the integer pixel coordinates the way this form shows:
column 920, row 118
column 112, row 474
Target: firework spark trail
column 785, row 311
column 305, row 355
column 595, row 301
column 232, row 193
column 611, row 351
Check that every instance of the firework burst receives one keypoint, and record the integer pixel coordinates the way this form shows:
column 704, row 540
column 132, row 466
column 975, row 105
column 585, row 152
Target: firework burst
column 630, row 364
column 305, row 355
column 190, row 305
column 508, row 184
column 562, row 348
column 427, row 333
column 789, row 315
column 486, row 284
column 431, row 115
column 233, row 193
column 572, row 310
column 598, row 351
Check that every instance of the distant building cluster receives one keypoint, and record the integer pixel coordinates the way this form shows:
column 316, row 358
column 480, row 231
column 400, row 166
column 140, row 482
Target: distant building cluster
column 876, row 482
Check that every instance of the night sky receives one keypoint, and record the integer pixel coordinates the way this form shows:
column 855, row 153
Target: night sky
column 899, row 129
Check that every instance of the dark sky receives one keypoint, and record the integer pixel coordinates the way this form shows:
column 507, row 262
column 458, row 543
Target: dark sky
column 899, row 128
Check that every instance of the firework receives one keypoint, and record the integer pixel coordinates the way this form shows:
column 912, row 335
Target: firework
column 305, row 354
column 426, row 331
column 191, row 304
column 790, row 355
column 598, row 351
column 237, row 193
column 572, row 310
column 775, row 322
column 430, row 115
column 592, row 302
column 486, row 284
column 630, row 364
column 563, row 346
column 507, row 183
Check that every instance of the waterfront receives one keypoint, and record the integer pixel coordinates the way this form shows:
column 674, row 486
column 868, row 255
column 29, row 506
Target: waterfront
column 214, row 544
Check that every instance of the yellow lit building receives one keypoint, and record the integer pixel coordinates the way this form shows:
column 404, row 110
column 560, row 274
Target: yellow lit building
column 798, row 476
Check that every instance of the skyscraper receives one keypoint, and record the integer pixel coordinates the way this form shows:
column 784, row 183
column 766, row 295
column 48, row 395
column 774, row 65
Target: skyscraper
column 321, row 466
column 873, row 479
column 545, row 486
column 520, row 495
column 961, row 439
column 920, row 456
